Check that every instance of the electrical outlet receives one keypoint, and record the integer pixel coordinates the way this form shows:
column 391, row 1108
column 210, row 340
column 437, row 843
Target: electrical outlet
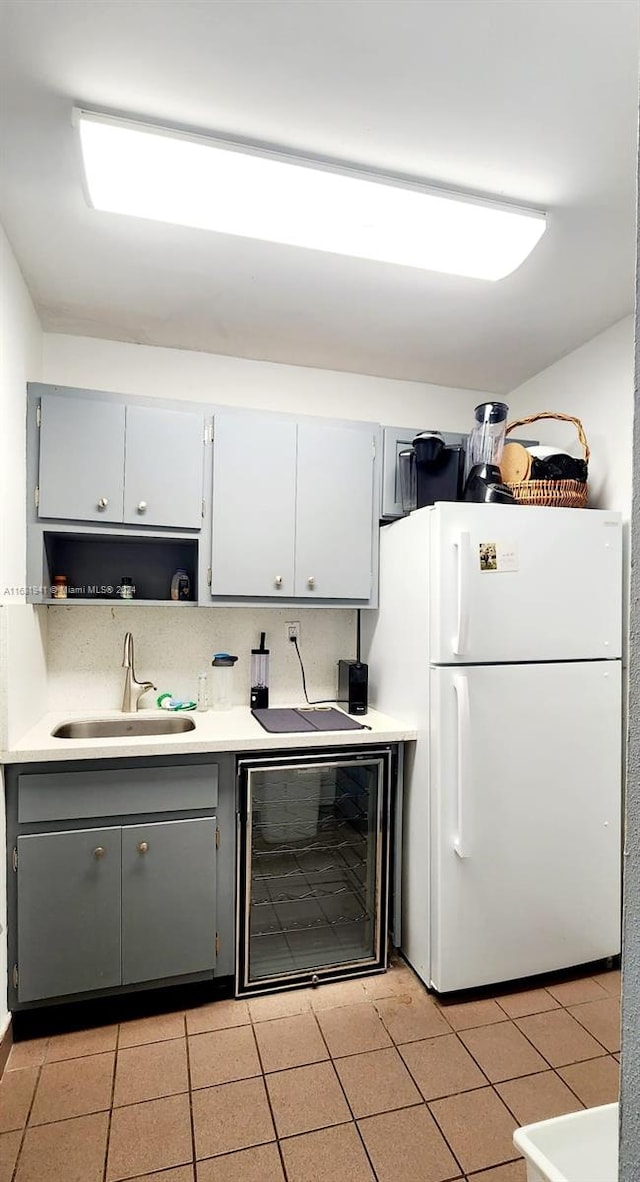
column 293, row 630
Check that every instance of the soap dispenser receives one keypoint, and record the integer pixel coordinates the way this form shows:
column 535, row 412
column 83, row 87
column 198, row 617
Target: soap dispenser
column 259, row 698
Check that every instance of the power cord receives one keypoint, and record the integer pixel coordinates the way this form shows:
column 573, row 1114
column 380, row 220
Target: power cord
column 316, row 701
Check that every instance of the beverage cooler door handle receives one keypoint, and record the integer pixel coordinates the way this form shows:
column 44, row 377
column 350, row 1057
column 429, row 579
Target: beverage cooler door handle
column 463, row 549
column 461, row 688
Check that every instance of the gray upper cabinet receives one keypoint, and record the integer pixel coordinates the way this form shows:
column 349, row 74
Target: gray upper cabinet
column 105, row 460
column 253, row 514
column 169, row 899
column 81, row 458
column 293, row 508
column 69, row 914
column 163, row 468
column 334, row 512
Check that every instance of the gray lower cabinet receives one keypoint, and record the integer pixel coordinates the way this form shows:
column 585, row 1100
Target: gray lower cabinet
column 119, row 874
column 69, row 888
column 105, row 907
column 168, row 899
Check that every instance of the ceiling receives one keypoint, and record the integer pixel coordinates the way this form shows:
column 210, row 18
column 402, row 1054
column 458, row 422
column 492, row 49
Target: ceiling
column 532, row 100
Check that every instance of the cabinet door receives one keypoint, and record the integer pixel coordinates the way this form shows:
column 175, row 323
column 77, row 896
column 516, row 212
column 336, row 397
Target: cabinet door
column 254, row 461
column 334, row 514
column 168, row 899
column 81, row 458
column 68, row 912
column 163, row 468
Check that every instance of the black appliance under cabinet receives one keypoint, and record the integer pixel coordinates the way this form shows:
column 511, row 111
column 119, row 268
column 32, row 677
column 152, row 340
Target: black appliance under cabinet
column 313, row 851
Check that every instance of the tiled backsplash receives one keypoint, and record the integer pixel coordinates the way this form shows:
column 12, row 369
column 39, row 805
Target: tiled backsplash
column 172, row 645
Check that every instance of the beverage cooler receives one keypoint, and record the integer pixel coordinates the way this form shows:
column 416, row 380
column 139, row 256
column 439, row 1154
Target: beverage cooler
column 313, row 849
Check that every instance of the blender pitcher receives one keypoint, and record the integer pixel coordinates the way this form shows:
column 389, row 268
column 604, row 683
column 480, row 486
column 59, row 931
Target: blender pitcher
column 260, row 676
column 486, row 440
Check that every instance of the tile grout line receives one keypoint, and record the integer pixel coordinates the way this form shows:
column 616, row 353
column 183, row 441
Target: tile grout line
column 190, row 1095
column 487, row 1082
column 354, row 1119
column 517, row 1118
column 568, row 1085
column 531, row 1042
column 113, row 1096
column 422, row 1102
column 495, row 1165
column 39, row 1066
column 263, row 1077
column 590, row 1032
column 589, row 1059
column 469, row 1051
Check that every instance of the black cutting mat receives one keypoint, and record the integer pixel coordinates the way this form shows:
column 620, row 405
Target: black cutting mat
column 284, row 720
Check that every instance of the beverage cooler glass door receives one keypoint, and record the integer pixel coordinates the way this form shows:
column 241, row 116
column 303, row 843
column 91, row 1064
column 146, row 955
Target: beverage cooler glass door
column 312, row 868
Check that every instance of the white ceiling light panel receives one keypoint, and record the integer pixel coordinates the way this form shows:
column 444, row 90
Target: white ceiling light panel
column 150, row 172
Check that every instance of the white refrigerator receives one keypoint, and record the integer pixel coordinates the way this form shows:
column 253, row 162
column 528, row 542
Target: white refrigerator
column 498, row 636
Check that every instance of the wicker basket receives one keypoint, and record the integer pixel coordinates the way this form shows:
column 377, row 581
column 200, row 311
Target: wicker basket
column 566, row 494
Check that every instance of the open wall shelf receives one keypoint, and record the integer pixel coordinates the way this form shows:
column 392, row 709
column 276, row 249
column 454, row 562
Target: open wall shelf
column 94, row 566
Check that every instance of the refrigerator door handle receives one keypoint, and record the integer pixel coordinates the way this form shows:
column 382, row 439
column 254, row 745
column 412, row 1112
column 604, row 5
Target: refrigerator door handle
column 461, row 639
column 461, row 688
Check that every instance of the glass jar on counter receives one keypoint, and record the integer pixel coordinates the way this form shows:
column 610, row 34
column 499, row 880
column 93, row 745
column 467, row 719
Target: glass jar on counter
column 222, row 681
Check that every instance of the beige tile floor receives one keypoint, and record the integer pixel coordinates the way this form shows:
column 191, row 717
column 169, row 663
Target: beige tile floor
column 351, row 1082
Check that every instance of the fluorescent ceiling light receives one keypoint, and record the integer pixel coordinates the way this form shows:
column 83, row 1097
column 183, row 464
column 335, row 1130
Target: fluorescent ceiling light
column 191, row 180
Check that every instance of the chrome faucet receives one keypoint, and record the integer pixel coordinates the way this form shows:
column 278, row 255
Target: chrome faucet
column 131, row 701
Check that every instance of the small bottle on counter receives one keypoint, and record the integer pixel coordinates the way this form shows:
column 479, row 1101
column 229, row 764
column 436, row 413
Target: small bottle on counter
column 60, row 587
column 203, row 691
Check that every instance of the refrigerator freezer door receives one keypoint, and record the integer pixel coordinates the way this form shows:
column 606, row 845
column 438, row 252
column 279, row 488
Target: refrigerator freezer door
column 525, row 789
column 515, row 583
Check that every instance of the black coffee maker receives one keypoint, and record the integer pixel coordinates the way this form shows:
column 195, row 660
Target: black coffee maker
column 430, row 471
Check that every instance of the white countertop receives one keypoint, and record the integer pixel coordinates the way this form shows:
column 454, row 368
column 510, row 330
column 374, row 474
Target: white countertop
column 224, row 730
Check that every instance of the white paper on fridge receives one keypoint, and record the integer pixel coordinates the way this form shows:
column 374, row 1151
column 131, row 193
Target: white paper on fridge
column 498, row 557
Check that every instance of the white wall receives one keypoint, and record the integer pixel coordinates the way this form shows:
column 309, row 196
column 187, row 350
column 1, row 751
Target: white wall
column 594, row 384
column 20, row 361
column 22, row 682
column 23, row 671
column 264, row 385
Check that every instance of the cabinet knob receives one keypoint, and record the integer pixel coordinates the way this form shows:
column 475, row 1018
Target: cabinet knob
column 99, row 852
column 311, row 581
column 142, row 847
column 142, row 507
column 278, row 580
column 103, row 502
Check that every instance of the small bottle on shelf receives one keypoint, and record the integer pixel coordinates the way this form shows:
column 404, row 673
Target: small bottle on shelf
column 60, row 587
column 126, row 588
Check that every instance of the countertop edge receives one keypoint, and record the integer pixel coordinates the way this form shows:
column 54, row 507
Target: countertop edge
column 229, row 731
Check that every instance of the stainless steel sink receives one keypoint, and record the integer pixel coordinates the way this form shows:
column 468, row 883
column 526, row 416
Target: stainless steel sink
column 111, row 728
